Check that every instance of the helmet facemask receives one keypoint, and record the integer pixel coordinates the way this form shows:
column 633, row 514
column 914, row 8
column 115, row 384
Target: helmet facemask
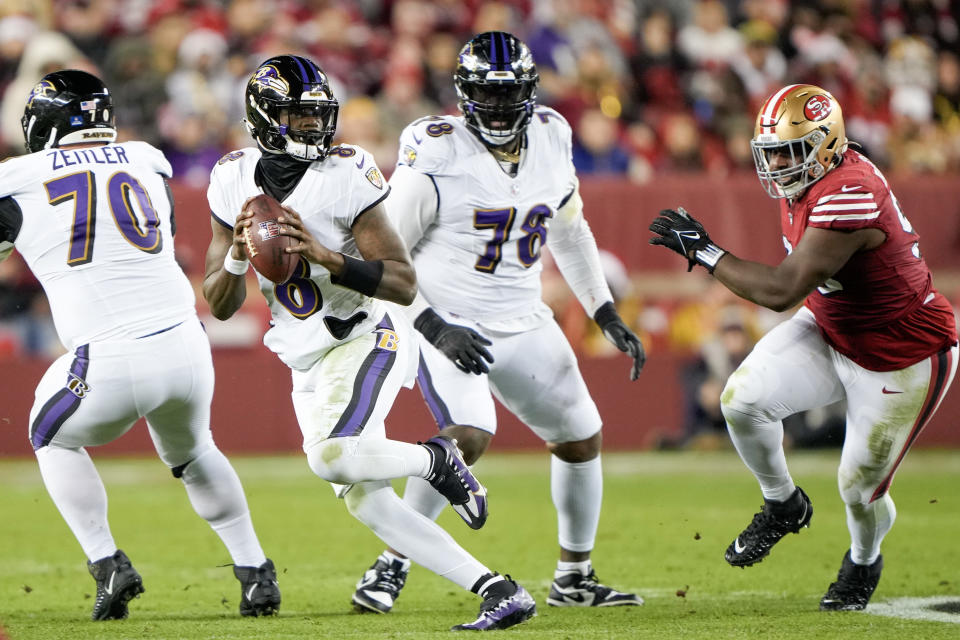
column 498, row 109
column 801, row 169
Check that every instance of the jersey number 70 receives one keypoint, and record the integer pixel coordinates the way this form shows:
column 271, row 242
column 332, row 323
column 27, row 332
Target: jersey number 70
column 123, row 190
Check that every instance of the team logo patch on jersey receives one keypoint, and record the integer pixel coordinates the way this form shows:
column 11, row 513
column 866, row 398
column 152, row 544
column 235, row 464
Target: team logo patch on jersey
column 409, row 155
column 817, row 108
column 373, row 175
column 267, row 77
column 42, row 88
column 268, row 230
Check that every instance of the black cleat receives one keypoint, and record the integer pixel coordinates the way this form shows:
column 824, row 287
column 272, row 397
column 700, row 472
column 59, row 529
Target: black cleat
column 117, row 583
column 854, row 586
column 259, row 591
column 775, row 520
column 573, row 589
column 380, row 586
column 452, row 479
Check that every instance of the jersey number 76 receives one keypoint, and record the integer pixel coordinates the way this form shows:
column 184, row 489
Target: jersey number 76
column 501, row 222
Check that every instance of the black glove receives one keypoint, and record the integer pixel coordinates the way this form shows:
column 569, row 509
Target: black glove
column 619, row 334
column 464, row 346
column 679, row 232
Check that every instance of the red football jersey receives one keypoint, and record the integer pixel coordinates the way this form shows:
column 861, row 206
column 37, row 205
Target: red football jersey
column 880, row 309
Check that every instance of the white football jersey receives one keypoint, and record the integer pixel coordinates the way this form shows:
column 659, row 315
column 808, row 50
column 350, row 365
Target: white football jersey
column 97, row 233
column 480, row 256
column 310, row 312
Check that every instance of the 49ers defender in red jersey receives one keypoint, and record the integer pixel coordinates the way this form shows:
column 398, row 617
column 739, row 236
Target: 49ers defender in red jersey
column 873, row 331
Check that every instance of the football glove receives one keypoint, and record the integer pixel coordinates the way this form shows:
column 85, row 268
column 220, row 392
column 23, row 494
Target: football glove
column 678, row 231
column 464, row 346
column 620, row 335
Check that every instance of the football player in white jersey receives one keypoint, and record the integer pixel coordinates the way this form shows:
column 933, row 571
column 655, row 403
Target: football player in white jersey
column 475, row 197
column 347, row 353
column 94, row 221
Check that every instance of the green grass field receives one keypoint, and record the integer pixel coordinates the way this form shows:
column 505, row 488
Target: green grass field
column 666, row 522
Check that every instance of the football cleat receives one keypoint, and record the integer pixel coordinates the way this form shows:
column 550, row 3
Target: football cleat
column 380, row 586
column 117, row 583
column 502, row 610
column 451, row 477
column 573, row 589
column 259, row 591
column 854, row 586
column 769, row 525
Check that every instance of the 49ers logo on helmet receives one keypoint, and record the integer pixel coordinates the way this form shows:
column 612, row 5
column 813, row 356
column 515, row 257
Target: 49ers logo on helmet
column 817, row 108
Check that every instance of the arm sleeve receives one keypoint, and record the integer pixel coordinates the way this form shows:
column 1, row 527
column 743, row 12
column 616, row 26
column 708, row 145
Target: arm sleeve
column 575, row 251
column 412, row 208
column 412, row 205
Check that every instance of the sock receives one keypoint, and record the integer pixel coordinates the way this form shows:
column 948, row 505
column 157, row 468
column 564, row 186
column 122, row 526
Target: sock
column 868, row 524
column 76, row 489
column 493, row 585
column 353, row 459
column 377, row 505
column 577, row 491
column 423, row 498
column 583, row 568
column 392, row 557
column 217, row 496
column 760, row 445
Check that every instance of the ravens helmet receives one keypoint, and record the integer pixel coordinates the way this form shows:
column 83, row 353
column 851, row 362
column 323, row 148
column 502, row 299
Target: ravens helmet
column 291, row 109
column 804, row 124
column 68, row 107
column 496, row 83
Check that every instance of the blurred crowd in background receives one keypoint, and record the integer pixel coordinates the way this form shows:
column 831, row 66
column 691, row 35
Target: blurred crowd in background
column 649, row 86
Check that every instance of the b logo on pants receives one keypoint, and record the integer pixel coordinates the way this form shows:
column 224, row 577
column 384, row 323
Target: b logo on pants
column 388, row 341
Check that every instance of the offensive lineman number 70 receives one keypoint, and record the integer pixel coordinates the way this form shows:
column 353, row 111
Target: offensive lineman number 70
column 122, row 191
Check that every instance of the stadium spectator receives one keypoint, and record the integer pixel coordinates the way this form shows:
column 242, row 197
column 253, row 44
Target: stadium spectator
column 597, row 149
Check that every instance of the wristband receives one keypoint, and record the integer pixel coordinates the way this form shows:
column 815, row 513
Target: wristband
column 606, row 314
column 430, row 324
column 236, row 267
column 709, row 256
column 360, row 275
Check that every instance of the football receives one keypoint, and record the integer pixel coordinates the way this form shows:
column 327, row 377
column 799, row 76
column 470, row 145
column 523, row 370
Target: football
column 265, row 244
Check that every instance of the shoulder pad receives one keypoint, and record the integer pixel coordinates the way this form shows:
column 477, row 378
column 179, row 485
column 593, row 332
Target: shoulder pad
column 428, row 144
column 152, row 156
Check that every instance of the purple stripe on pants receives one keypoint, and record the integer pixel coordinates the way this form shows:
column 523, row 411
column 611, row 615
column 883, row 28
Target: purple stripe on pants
column 366, row 388
column 61, row 405
column 434, row 402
